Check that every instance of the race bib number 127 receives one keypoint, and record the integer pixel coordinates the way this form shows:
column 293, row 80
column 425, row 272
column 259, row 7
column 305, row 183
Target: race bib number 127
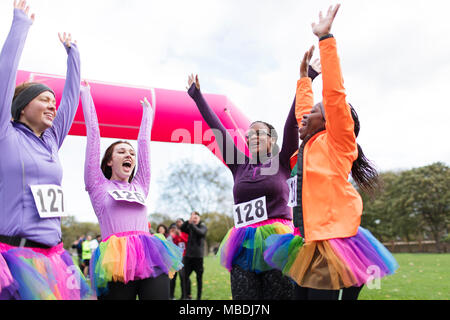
column 49, row 200
column 250, row 212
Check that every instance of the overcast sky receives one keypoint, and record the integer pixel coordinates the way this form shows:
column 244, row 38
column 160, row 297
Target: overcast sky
column 395, row 57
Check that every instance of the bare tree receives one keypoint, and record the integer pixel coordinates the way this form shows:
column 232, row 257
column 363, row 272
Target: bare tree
column 190, row 186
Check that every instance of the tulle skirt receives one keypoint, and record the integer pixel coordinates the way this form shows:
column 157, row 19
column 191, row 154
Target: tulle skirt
column 40, row 274
column 245, row 246
column 129, row 256
column 330, row 264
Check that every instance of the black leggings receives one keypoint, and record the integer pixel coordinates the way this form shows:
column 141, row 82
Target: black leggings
column 302, row 293
column 146, row 289
column 192, row 264
column 173, row 282
column 268, row 285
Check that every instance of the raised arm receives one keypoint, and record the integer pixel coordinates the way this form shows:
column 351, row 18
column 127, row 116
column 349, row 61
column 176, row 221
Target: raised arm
column 200, row 229
column 290, row 134
column 142, row 176
column 290, row 137
column 93, row 174
column 184, row 227
column 339, row 123
column 71, row 93
column 230, row 153
column 9, row 60
column 304, row 95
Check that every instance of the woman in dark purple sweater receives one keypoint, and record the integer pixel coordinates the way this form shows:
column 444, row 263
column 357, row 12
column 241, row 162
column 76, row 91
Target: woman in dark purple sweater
column 260, row 195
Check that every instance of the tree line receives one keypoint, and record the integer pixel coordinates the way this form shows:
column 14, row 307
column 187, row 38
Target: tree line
column 413, row 205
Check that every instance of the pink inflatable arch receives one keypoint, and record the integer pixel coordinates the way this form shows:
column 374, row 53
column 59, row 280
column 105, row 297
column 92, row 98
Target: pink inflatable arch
column 177, row 118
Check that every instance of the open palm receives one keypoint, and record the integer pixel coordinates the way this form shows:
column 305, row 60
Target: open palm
column 22, row 5
column 323, row 27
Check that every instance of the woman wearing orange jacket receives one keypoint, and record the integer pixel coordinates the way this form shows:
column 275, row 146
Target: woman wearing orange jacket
column 329, row 250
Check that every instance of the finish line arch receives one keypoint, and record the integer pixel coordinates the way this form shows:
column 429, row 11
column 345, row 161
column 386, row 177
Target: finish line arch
column 119, row 112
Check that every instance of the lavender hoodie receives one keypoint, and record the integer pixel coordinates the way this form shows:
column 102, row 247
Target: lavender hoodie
column 115, row 216
column 26, row 159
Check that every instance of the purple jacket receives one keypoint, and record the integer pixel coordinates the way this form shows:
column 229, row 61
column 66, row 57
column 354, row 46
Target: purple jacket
column 249, row 182
column 26, row 159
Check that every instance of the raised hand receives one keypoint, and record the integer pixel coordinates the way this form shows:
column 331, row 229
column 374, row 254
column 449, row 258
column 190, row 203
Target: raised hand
column 191, row 80
column 22, row 5
column 305, row 63
column 323, row 27
column 316, row 65
column 66, row 39
column 146, row 104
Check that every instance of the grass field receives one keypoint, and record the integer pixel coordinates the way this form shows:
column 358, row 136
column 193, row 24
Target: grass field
column 420, row 277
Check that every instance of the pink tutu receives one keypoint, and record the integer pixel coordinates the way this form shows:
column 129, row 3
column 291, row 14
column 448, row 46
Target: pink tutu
column 40, row 274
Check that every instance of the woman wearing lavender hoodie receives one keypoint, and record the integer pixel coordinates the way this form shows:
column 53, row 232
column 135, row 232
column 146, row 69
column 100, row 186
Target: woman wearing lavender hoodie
column 33, row 262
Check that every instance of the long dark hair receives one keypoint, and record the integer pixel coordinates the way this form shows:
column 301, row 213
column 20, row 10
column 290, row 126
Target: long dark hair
column 363, row 171
column 107, row 171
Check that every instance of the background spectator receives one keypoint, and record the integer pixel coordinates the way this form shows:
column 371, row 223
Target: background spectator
column 86, row 254
column 162, row 229
column 180, row 239
column 195, row 248
column 77, row 245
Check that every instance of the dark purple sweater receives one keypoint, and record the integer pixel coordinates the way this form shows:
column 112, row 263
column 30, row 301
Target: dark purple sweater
column 249, row 183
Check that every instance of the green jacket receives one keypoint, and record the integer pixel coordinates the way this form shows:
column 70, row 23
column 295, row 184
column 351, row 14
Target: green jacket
column 85, row 250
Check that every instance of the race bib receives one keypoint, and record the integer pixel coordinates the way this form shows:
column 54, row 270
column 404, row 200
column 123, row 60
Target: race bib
column 49, row 200
column 292, row 183
column 250, row 212
column 130, row 196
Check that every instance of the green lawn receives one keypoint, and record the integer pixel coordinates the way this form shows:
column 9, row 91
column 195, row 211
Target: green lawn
column 216, row 281
column 420, row 277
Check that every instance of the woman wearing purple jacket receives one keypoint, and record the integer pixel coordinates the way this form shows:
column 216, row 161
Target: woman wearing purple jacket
column 33, row 262
column 261, row 197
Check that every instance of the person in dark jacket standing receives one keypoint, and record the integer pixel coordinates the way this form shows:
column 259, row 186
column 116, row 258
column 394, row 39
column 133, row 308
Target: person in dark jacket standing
column 195, row 249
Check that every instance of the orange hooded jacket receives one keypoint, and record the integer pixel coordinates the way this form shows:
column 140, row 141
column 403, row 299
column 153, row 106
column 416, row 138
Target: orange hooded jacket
column 331, row 206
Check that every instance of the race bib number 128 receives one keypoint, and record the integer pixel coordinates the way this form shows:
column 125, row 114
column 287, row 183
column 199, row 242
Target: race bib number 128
column 49, row 200
column 250, row 212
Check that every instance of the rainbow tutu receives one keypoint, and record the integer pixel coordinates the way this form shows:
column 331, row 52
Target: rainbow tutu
column 40, row 274
column 330, row 264
column 245, row 246
column 129, row 256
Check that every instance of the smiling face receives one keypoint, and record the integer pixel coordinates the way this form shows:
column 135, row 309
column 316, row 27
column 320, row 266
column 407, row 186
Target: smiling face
column 312, row 122
column 122, row 162
column 40, row 112
column 259, row 139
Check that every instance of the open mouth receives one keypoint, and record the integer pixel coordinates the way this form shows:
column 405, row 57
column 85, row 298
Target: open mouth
column 127, row 164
